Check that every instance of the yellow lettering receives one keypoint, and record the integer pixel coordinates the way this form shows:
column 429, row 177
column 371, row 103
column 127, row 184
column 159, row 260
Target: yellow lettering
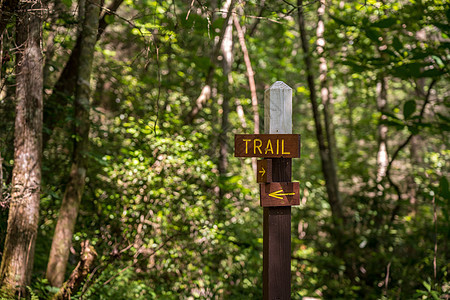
column 282, row 148
column 278, row 146
column 246, row 145
column 269, row 147
column 257, row 146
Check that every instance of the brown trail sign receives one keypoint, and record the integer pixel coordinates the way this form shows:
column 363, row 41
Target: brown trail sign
column 280, row 194
column 267, row 145
column 277, row 192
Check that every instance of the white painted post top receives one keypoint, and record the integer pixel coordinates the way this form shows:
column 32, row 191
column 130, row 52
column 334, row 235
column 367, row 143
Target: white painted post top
column 278, row 109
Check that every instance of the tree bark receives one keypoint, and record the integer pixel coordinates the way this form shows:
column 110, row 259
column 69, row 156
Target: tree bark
column 328, row 169
column 18, row 256
column 62, row 238
column 227, row 47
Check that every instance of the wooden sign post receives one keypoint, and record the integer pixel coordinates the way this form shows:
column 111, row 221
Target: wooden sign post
column 277, row 193
column 277, row 220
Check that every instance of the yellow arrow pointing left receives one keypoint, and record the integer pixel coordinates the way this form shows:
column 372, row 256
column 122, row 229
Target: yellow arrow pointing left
column 279, row 194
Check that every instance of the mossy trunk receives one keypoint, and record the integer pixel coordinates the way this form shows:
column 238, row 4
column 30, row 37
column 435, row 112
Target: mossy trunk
column 18, row 256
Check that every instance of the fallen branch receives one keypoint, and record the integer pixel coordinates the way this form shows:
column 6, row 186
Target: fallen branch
column 80, row 272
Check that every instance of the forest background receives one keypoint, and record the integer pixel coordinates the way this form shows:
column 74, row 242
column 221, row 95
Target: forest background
column 116, row 141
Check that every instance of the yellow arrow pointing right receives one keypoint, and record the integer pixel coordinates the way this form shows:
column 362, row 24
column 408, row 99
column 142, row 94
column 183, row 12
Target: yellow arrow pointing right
column 263, row 172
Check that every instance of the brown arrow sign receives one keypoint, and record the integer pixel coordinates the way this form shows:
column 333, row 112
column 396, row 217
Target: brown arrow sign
column 279, row 194
column 264, row 171
column 267, row 145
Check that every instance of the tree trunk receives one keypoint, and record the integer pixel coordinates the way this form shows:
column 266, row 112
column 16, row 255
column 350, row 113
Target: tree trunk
column 382, row 154
column 325, row 91
column 66, row 84
column 62, row 238
column 328, row 169
column 18, row 256
column 227, row 47
column 251, row 81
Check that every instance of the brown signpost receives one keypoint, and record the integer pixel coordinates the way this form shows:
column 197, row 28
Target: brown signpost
column 277, row 192
column 267, row 145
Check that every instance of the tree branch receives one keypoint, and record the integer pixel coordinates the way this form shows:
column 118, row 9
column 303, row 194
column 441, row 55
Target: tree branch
column 111, row 10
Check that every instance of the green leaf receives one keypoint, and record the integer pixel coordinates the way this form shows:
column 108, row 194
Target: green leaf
column 109, row 19
column 373, row 34
column 409, row 108
column 427, row 286
column 385, row 23
column 397, row 44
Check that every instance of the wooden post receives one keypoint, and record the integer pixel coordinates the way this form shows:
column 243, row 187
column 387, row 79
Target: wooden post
column 277, row 220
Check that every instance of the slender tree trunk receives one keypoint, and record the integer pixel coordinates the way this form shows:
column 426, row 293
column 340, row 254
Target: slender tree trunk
column 18, row 256
column 62, row 238
column 251, row 82
column 227, row 47
column 325, row 90
column 250, row 74
column 66, row 84
column 328, row 169
column 382, row 154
